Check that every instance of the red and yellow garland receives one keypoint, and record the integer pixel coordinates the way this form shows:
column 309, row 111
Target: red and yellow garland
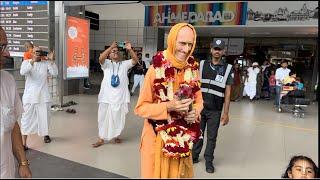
column 178, row 135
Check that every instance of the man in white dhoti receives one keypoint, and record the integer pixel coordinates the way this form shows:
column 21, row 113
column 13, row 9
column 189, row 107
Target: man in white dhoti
column 114, row 94
column 11, row 110
column 36, row 97
column 250, row 84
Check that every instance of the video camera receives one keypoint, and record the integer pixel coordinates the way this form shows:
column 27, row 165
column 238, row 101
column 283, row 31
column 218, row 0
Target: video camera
column 42, row 53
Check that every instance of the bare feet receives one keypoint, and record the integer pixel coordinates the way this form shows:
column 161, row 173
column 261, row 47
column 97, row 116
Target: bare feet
column 97, row 144
column 117, row 140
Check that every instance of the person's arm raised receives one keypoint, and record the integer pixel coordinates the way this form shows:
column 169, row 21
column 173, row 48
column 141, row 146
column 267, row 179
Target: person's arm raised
column 106, row 53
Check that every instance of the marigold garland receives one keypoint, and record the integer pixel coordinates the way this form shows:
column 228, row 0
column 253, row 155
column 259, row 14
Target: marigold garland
column 178, row 135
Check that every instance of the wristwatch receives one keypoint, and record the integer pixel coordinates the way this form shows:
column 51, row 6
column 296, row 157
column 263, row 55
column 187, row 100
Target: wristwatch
column 24, row 163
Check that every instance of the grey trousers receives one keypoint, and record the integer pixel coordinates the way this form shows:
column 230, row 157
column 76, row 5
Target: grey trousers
column 212, row 119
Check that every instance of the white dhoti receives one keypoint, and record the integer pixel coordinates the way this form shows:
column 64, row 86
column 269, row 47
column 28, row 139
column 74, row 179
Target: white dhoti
column 35, row 119
column 111, row 120
column 250, row 90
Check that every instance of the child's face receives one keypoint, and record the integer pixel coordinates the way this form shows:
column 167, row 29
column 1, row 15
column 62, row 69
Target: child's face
column 294, row 75
column 272, row 72
column 302, row 170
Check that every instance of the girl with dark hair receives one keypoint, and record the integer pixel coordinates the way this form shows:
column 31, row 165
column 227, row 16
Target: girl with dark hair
column 301, row 167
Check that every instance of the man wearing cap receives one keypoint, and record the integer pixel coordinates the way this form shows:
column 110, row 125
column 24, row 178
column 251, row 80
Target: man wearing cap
column 216, row 80
column 250, row 84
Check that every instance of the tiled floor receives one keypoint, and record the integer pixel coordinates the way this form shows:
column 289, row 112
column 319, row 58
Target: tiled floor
column 257, row 143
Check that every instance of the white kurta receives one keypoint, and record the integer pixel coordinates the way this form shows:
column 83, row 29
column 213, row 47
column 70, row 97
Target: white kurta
column 250, row 85
column 113, row 101
column 36, row 97
column 11, row 110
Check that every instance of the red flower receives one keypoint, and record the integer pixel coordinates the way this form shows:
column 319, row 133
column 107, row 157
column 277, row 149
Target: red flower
column 157, row 60
column 159, row 81
column 169, row 72
column 158, row 87
column 195, row 89
column 185, row 92
column 191, row 60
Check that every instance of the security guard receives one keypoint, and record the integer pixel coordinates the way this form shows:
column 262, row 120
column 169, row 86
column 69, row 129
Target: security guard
column 216, row 80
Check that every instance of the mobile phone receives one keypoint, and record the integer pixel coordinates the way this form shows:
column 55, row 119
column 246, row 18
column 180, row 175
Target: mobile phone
column 42, row 53
column 121, row 44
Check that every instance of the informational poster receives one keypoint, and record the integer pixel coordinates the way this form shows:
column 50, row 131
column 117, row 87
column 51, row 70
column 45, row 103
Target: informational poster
column 77, row 47
column 25, row 21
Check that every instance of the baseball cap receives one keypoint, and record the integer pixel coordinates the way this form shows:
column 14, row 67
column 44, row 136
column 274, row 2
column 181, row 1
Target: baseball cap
column 218, row 43
column 255, row 64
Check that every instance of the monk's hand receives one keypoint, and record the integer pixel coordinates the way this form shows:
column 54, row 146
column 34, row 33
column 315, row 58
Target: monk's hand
column 191, row 117
column 179, row 105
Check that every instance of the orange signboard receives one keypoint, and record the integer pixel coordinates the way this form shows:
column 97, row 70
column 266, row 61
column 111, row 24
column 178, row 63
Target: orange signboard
column 77, row 47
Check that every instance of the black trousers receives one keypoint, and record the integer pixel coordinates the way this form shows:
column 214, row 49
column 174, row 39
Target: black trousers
column 212, row 119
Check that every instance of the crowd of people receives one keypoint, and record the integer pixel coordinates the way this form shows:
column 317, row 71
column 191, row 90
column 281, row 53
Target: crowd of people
column 263, row 82
column 179, row 97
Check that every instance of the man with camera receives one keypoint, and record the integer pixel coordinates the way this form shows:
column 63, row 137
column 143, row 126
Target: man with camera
column 114, row 94
column 36, row 97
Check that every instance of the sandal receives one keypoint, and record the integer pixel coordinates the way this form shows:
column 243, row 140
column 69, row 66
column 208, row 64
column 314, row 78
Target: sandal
column 117, row 140
column 97, row 144
column 72, row 111
column 47, row 139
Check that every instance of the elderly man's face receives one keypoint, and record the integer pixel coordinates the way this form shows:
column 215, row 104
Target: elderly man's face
column 184, row 43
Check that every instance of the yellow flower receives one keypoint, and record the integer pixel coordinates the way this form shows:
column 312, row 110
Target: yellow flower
column 188, row 75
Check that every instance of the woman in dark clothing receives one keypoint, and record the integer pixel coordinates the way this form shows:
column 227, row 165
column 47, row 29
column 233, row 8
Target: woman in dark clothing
column 236, row 87
column 266, row 70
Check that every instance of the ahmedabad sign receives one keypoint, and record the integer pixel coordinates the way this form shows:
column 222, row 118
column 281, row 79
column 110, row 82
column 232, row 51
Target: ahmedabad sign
column 228, row 13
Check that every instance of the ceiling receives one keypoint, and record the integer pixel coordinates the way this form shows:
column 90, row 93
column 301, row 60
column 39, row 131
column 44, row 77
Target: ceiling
column 80, row 3
column 296, row 31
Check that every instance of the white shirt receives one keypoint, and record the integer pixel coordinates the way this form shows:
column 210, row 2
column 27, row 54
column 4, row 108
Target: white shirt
column 281, row 73
column 147, row 61
column 252, row 73
column 36, row 86
column 119, row 94
column 11, row 110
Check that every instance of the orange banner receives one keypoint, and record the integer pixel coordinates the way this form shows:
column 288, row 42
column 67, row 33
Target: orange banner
column 77, row 47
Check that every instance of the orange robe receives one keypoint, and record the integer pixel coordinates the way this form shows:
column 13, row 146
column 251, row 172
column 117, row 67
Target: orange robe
column 153, row 163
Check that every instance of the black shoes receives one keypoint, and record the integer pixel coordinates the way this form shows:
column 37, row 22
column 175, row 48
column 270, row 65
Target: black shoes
column 47, row 139
column 209, row 167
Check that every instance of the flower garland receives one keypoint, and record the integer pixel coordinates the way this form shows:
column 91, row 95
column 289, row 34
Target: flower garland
column 178, row 135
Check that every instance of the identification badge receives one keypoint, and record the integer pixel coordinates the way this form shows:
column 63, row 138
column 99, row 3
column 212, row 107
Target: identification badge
column 219, row 78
